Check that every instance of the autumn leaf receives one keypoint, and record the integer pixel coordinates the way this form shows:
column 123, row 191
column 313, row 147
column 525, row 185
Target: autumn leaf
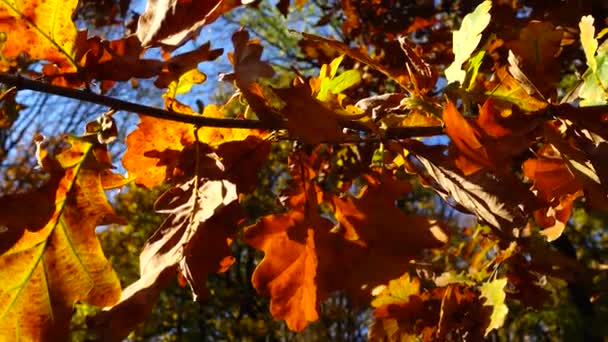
column 194, row 239
column 43, row 30
column 593, row 91
column 158, row 150
column 185, row 83
column 502, row 203
column 307, row 118
column 59, row 262
column 248, row 67
column 509, row 89
column 537, row 49
column 176, row 67
column 398, row 291
column 387, row 245
column 172, row 23
column 152, row 149
column 494, row 294
column 466, row 39
column 246, row 60
column 454, row 311
column 398, row 75
column 290, row 265
column 491, row 141
column 301, row 248
column 588, row 41
column 556, row 186
column 422, row 75
column 215, row 136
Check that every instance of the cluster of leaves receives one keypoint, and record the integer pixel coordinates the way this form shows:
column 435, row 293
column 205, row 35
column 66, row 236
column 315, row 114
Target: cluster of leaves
column 514, row 157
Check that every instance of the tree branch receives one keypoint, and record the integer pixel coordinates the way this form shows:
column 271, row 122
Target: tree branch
column 117, row 104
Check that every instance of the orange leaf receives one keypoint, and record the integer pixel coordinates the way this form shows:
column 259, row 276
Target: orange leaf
column 152, row 149
column 289, row 268
column 465, row 136
column 302, row 250
column 43, row 30
column 538, row 47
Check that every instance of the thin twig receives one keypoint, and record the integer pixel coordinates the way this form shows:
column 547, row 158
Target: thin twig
column 23, row 83
column 117, row 104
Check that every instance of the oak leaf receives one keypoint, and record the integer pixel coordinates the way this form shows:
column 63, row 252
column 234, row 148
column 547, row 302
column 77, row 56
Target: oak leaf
column 503, row 203
column 494, row 293
column 171, row 23
column 160, row 150
column 194, row 239
column 44, row 30
column 402, row 310
column 401, row 76
column 507, row 88
column 301, row 247
column 466, row 39
column 56, row 263
column 556, row 186
column 307, row 117
column 246, row 59
column 537, row 49
column 492, row 140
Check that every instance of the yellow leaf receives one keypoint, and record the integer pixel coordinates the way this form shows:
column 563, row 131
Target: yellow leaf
column 51, row 267
column 494, row 293
column 41, row 29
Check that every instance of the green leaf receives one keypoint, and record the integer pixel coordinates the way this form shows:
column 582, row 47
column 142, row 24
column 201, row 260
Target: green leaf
column 466, row 39
column 338, row 84
column 494, row 293
column 185, row 83
column 593, row 91
column 474, row 65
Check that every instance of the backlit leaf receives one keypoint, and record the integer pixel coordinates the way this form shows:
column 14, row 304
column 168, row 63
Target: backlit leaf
column 494, row 293
column 466, row 39
column 398, row 75
column 507, row 88
column 157, row 149
column 59, row 262
column 588, row 40
column 171, row 23
column 301, row 248
column 42, row 29
column 398, row 291
column 499, row 202
column 307, row 118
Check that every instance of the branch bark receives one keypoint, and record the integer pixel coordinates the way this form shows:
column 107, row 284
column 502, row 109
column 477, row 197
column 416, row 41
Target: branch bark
column 82, row 95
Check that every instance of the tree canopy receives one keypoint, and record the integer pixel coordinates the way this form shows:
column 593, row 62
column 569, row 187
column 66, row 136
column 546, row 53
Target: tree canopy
column 428, row 170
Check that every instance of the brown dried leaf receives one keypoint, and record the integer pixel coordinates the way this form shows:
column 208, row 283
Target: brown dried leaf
column 171, row 23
